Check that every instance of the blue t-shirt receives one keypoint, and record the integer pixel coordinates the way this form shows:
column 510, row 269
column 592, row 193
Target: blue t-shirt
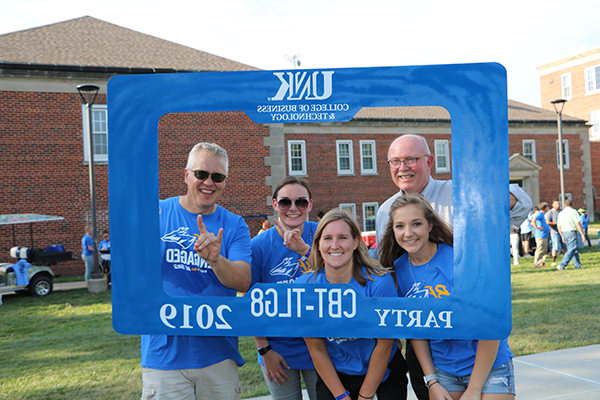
column 104, row 245
column 352, row 355
column 272, row 262
column 184, row 273
column 540, row 221
column 584, row 219
column 436, row 278
column 86, row 241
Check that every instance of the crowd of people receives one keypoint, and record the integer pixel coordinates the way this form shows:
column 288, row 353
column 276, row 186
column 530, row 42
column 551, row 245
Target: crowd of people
column 555, row 232
column 414, row 255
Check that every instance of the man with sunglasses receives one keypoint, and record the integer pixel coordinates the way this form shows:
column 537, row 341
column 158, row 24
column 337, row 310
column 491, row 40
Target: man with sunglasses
column 410, row 162
column 205, row 251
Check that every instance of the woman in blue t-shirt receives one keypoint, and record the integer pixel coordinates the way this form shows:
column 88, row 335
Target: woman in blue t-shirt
column 418, row 244
column 279, row 256
column 350, row 368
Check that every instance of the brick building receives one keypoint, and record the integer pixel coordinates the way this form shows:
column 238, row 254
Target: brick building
column 44, row 164
column 577, row 80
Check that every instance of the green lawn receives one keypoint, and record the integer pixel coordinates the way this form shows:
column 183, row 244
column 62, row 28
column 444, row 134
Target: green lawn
column 63, row 347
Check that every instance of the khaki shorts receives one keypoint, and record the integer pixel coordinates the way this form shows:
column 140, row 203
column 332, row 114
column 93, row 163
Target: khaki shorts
column 216, row 382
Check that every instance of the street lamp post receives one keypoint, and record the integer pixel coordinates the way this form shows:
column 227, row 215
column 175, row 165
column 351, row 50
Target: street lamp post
column 88, row 93
column 559, row 104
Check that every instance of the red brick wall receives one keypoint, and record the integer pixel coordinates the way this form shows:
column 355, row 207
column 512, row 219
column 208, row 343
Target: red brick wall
column 42, row 168
column 580, row 104
column 595, row 150
column 549, row 175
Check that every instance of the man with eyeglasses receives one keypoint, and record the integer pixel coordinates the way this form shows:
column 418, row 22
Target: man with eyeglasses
column 410, row 162
column 205, row 251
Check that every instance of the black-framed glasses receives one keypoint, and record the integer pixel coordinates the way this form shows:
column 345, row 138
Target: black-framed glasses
column 285, row 203
column 409, row 162
column 216, row 177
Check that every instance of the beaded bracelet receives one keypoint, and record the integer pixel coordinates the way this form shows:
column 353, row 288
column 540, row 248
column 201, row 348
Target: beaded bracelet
column 341, row 396
column 305, row 257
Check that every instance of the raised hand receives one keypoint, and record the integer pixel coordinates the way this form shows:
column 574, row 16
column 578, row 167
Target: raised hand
column 208, row 246
column 292, row 239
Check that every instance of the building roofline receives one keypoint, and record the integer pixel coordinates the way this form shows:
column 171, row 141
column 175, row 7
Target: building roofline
column 93, row 69
column 576, row 59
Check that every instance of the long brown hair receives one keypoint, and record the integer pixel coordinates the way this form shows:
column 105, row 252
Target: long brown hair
column 389, row 250
column 360, row 257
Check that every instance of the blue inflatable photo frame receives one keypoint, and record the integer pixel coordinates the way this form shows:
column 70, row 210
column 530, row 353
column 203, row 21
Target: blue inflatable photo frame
column 474, row 95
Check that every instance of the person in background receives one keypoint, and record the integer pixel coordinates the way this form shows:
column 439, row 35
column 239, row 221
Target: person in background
column 526, row 230
column 514, row 243
column 265, row 225
column 87, row 252
column 198, row 367
column 541, row 234
column 585, row 220
column 349, row 368
column 555, row 239
column 103, row 246
column 568, row 226
column 280, row 256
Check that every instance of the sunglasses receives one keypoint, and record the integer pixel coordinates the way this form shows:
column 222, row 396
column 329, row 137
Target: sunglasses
column 285, row 203
column 216, row 177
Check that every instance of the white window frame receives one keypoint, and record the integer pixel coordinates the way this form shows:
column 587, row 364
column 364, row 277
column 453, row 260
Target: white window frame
column 350, row 207
column 592, row 80
column 99, row 128
column 567, row 195
column 595, row 122
column 364, row 207
column 350, row 156
column 291, row 157
column 442, row 155
column 567, row 163
column 372, row 157
column 531, row 156
column 566, row 88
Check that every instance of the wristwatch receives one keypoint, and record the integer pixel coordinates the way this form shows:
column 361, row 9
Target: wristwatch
column 429, row 378
column 264, row 350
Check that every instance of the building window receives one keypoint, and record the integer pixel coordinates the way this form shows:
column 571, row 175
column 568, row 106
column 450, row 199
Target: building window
column 369, row 216
column 350, row 207
column 297, row 157
column 529, row 149
column 592, row 80
column 595, row 122
column 442, row 156
column 345, row 162
column 99, row 131
column 565, row 86
column 368, row 162
column 565, row 154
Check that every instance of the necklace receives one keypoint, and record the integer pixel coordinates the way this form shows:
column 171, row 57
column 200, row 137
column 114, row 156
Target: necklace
column 413, row 275
column 410, row 265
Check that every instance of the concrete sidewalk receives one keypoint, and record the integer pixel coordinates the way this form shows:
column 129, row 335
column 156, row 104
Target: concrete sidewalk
column 571, row 374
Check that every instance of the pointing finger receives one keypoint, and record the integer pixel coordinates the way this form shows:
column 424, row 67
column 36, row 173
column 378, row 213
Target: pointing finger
column 201, row 225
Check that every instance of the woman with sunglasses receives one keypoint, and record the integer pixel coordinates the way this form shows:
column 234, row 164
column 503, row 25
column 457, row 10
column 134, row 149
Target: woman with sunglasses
column 350, row 368
column 279, row 256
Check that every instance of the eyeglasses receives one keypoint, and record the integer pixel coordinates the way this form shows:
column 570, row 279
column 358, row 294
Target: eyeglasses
column 409, row 162
column 285, row 203
column 216, row 177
